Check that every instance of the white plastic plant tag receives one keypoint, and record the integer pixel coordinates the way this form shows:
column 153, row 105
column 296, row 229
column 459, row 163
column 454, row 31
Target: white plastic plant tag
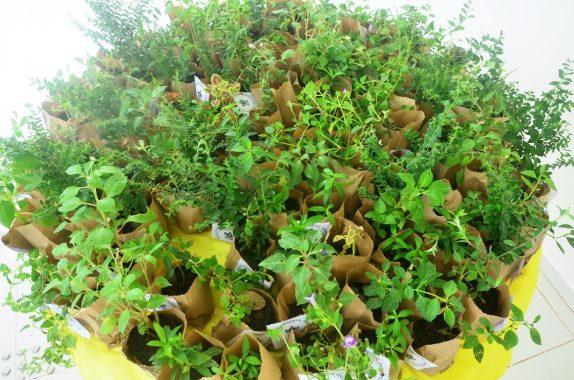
column 243, row 265
column 297, row 324
column 324, row 227
column 416, row 361
column 223, row 234
column 201, row 90
column 261, row 337
column 245, row 102
column 379, row 363
column 500, row 325
column 71, row 322
column 329, row 375
column 169, row 303
column 518, row 269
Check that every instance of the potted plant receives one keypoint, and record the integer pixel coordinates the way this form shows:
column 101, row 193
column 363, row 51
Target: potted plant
column 357, row 169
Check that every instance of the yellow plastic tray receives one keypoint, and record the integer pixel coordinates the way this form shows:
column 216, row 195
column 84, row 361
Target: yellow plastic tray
column 96, row 361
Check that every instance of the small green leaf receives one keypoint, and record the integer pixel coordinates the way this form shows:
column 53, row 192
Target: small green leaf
column 478, row 352
column 535, row 336
column 346, row 298
column 449, row 317
column 510, row 339
column 115, row 185
column 437, row 192
column 106, row 205
column 274, row 263
column 7, row 213
column 108, row 326
column 155, row 301
column 135, row 294
column 70, row 204
column 148, row 217
column 517, row 313
column 123, row 321
column 426, row 179
column 292, row 263
column 449, row 288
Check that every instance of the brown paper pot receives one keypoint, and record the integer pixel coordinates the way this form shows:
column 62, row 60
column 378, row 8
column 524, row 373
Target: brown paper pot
column 187, row 217
column 264, row 310
column 495, row 307
column 357, row 311
column 287, row 304
column 193, row 298
column 192, row 338
column 135, row 345
column 363, row 247
column 269, row 367
column 442, row 354
column 138, row 233
column 56, row 120
column 474, row 181
column 90, row 318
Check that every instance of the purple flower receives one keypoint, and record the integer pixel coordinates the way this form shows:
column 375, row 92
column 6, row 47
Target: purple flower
column 311, row 299
column 349, row 341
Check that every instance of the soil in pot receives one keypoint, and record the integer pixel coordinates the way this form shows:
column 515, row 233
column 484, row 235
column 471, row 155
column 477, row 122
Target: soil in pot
column 486, row 301
column 434, row 332
column 137, row 348
column 296, row 310
column 262, row 314
column 180, row 282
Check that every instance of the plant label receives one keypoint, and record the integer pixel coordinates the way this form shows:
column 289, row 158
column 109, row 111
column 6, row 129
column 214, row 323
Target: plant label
column 71, row 322
column 500, row 325
column 201, row 90
column 243, row 265
column 324, row 227
column 223, row 234
column 417, row 361
column 379, row 363
column 261, row 337
column 245, row 102
column 169, row 303
column 296, row 324
column 329, row 375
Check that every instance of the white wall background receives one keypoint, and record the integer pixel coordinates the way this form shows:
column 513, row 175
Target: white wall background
column 37, row 39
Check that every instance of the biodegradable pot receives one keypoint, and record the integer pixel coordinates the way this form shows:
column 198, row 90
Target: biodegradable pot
column 363, row 247
column 193, row 298
column 357, row 311
column 137, row 233
column 287, row 304
column 264, row 310
column 135, row 344
column 269, row 367
column 436, row 343
column 192, row 338
column 494, row 305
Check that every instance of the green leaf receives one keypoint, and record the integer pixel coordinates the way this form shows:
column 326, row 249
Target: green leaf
column 436, row 193
column 106, row 205
column 115, row 185
column 74, row 170
column 108, row 325
column 287, row 54
column 346, row 298
column 449, row 288
column 71, row 204
column 510, row 339
column 449, row 317
column 69, row 192
column 148, row 217
column 292, row 263
column 135, row 294
column 478, row 352
column 100, row 238
column 274, row 263
column 517, row 313
column 425, row 179
column 7, row 213
column 535, row 336
column 123, row 321
column 155, row 301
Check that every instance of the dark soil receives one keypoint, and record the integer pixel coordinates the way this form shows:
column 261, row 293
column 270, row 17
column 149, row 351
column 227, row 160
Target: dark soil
column 137, row 348
column 371, row 335
column 129, row 227
column 488, row 301
column 180, row 282
column 259, row 319
column 433, row 332
column 359, row 290
column 296, row 310
column 292, row 205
